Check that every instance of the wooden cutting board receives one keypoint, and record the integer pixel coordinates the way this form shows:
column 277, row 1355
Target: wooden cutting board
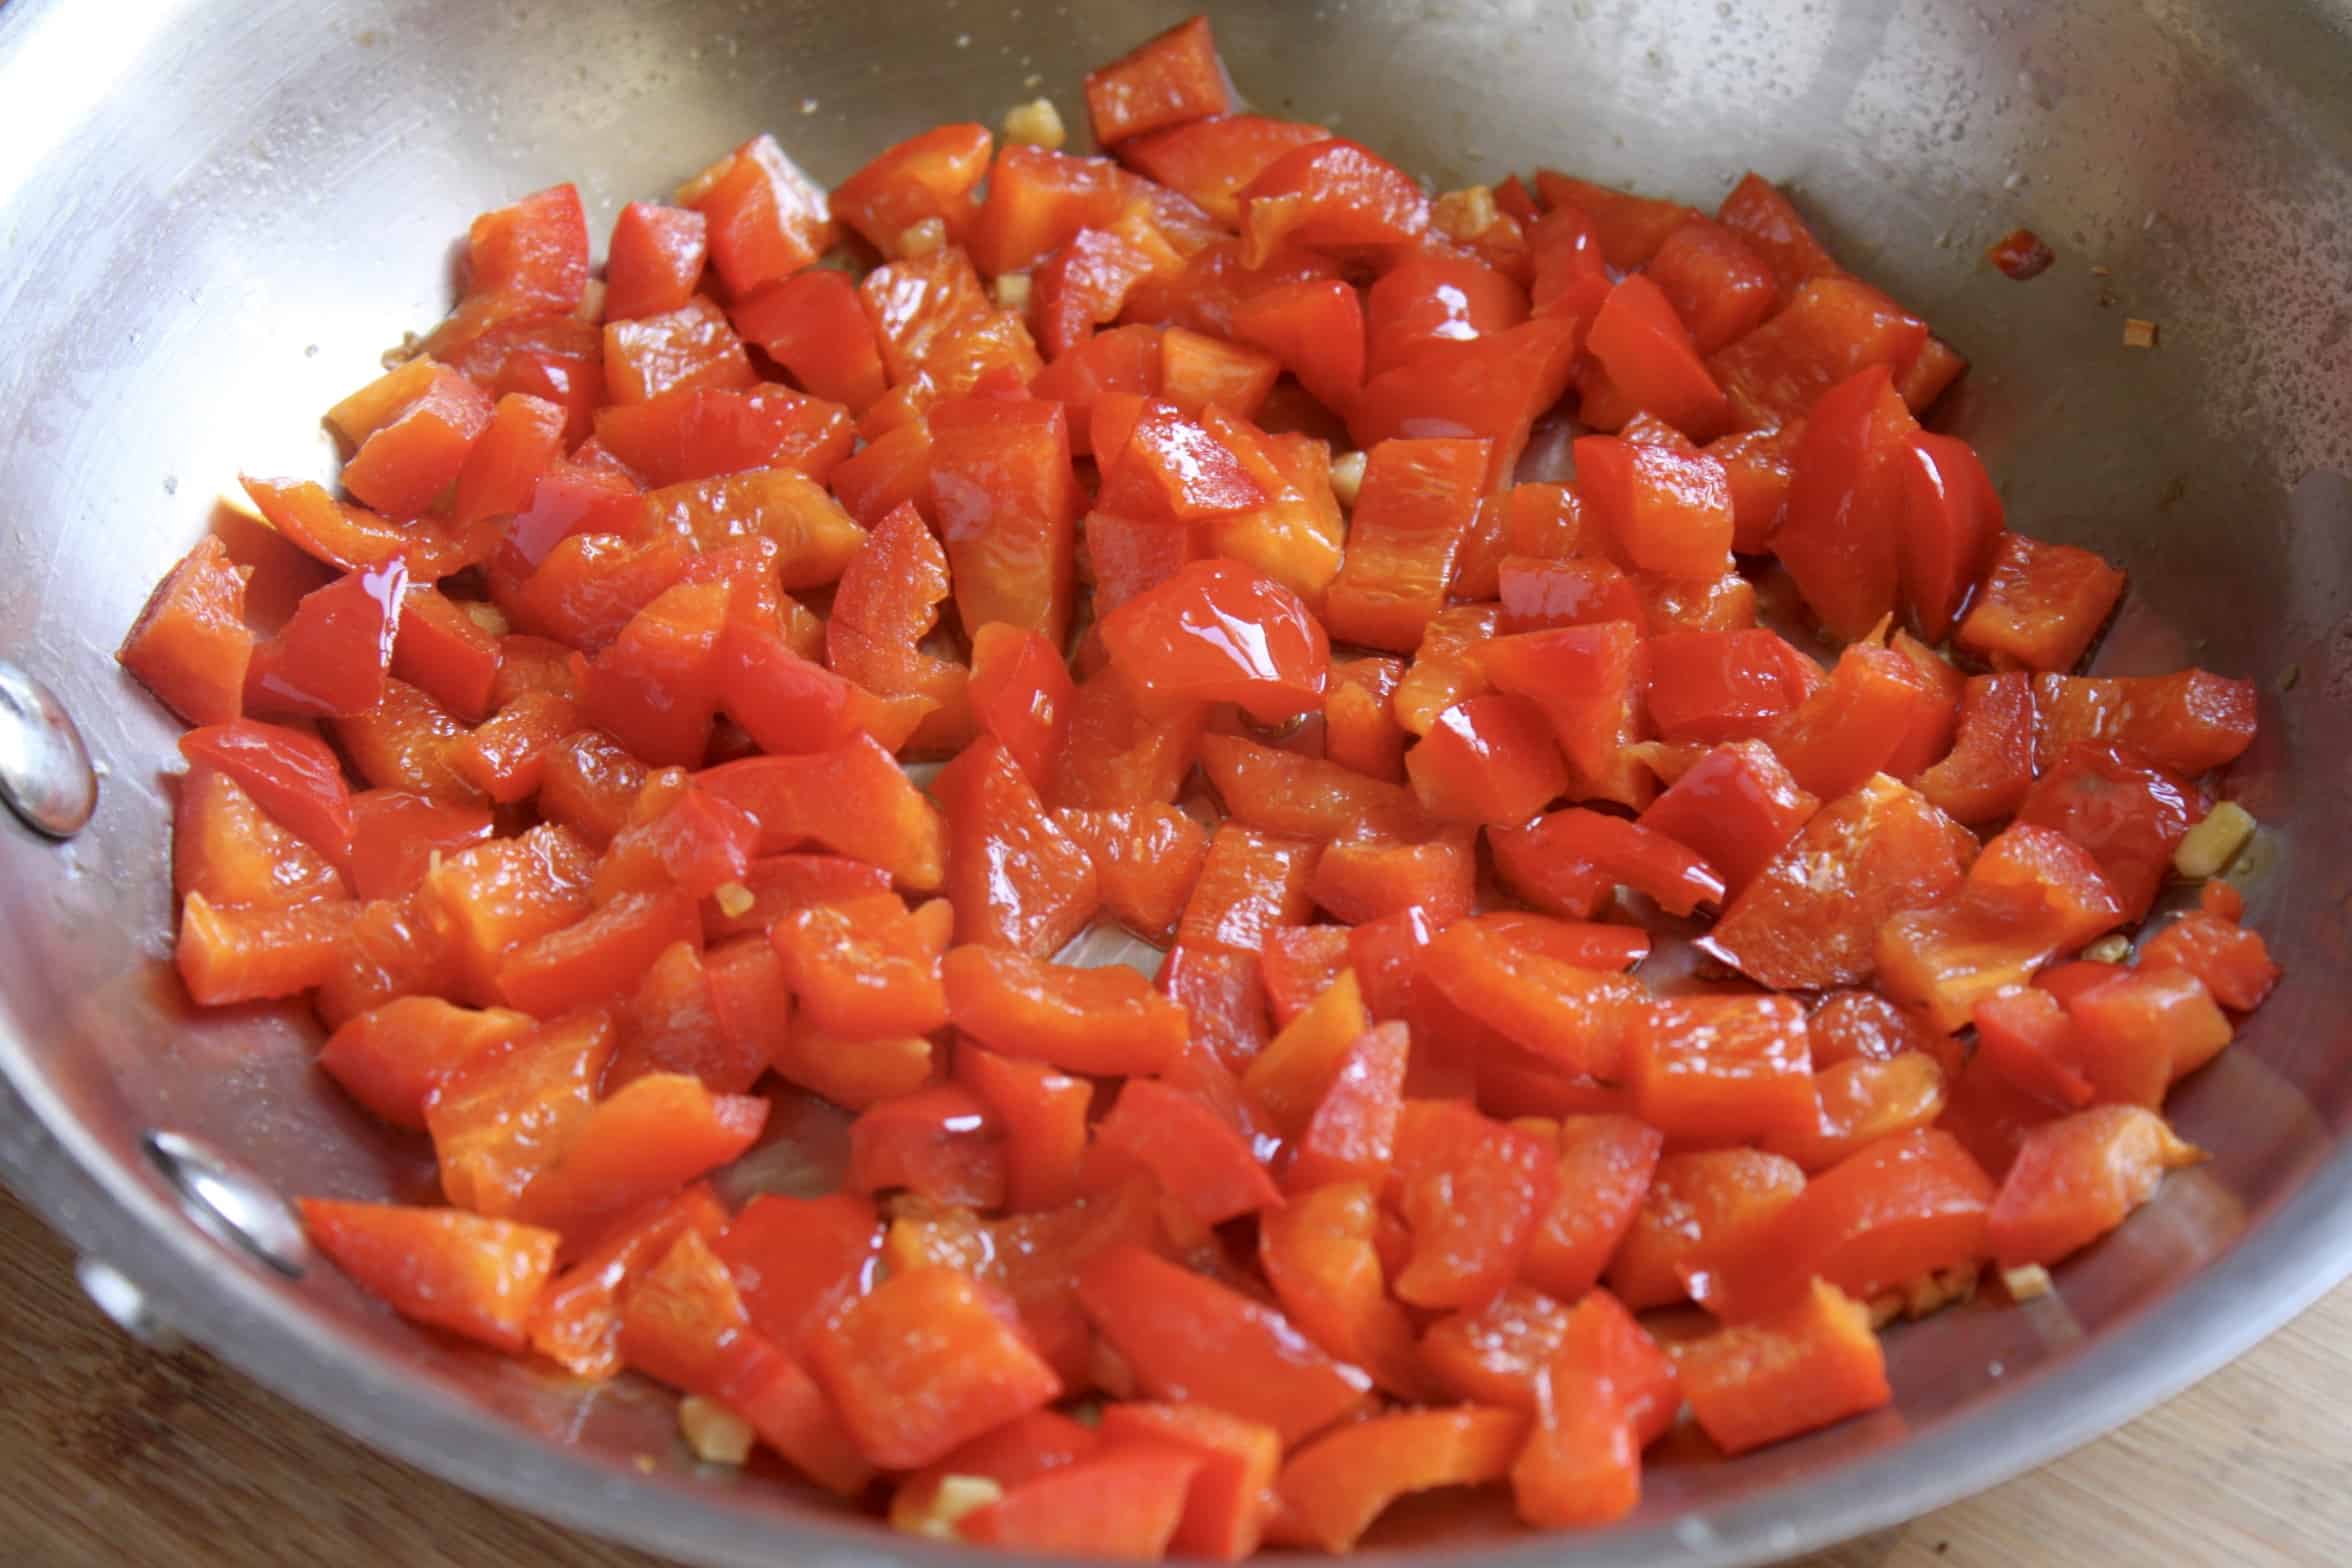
column 111, row 1454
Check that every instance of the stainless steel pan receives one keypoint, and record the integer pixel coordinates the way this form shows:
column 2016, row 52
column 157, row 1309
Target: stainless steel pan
column 214, row 216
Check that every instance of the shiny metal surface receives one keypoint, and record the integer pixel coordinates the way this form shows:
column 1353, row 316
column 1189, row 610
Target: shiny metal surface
column 214, row 216
column 45, row 772
column 225, row 1196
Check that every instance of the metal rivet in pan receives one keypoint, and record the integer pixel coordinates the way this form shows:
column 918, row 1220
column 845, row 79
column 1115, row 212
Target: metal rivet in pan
column 230, row 1201
column 126, row 1304
column 45, row 771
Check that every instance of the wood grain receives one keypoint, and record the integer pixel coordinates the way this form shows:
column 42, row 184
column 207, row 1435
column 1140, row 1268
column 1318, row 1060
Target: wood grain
column 111, row 1454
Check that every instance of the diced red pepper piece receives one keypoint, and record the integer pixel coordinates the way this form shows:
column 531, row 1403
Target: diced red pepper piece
column 2040, row 606
column 1015, row 875
column 2188, row 722
column 1359, row 881
column 1645, row 859
column 1492, row 758
column 1306, row 797
column 1126, row 1501
column 1211, row 160
column 852, row 800
column 1952, row 525
column 1433, row 298
column 926, row 1361
column 190, row 645
column 1701, row 1210
column 2234, row 963
column 1083, row 285
column 1250, row 882
column 1757, row 211
column 2129, row 813
column 442, row 650
column 1832, row 328
column 1219, row 632
column 1630, row 227
column 530, row 258
column 1493, row 387
column 800, row 1262
column 1473, row 1192
column 767, row 219
column 293, row 777
column 226, row 956
column 1146, row 859
column 2026, row 1038
column 1717, row 282
column 1200, row 1162
column 707, row 432
column 1333, row 1489
column 1736, row 808
column 473, row 1276
column 655, row 260
column 1605, row 1166
column 864, row 967
column 351, row 537
column 1334, row 195
column 1643, row 361
column 1098, row 1021
column 2078, row 1178
column 1846, row 483
column 1190, row 1338
column 1231, row 1496
column 1568, row 1014
column 2143, row 1029
column 1807, row 1365
column 577, row 1319
column 1007, row 504
column 503, row 1119
column 1811, row 918
column 1294, row 1073
column 813, row 325
column 599, row 958
column 940, row 1142
column 1991, row 765
column 1723, row 1069
column 2031, row 895
column 234, row 854
column 1299, row 963
column 1224, row 996
column 1166, row 80
column 648, row 1138
column 929, row 175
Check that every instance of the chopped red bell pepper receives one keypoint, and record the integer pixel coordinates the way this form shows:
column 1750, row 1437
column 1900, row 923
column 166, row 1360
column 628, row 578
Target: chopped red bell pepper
column 1219, row 632
column 2040, row 606
column 473, row 1276
column 1806, row 1365
column 1334, row 1488
column 2077, row 1178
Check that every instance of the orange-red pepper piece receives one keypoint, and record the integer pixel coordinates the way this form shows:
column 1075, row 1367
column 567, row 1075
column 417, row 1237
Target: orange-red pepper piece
column 1190, row 1338
column 1168, row 79
column 1249, row 883
column 1489, row 759
column 852, row 799
column 651, row 1137
column 1200, row 1162
column 1333, row 1489
column 1123, row 1502
column 2040, row 605
column 507, row 1116
column 2077, row 1178
column 1575, row 1017
column 1473, row 1192
column 1701, row 1209
column 1415, row 506
column 576, row 1321
column 1219, row 631
column 1722, row 1069
column 767, row 219
column 1015, row 875
column 1097, row 1021
column 1807, row 1365
column 473, row 1276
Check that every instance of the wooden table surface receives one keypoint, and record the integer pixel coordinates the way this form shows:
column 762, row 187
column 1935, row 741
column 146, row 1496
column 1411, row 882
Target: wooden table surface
column 111, row 1454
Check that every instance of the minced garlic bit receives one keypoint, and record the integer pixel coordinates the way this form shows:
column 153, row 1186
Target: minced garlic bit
column 734, row 899
column 399, row 354
column 2138, row 333
column 2209, row 847
column 1347, row 477
column 1036, row 123
column 2109, row 950
column 1464, row 214
column 926, row 238
column 956, row 1496
column 489, row 617
column 716, row 1434
column 2026, row 1284
column 1012, row 292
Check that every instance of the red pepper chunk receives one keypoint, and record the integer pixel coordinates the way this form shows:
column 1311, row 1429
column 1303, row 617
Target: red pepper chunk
column 293, row 777
column 1124, row 1502
column 1334, row 1488
column 864, row 967
column 1952, row 523
column 331, row 657
column 766, row 218
column 1588, row 681
column 1098, row 1021
column 929, row 1360
column 1736, row 808
column 1043, row 1113
column 940, row 1142
column 1007, row 504
column 1200, row 1162
column 1702, row 1209
column 813, row 325
column 1334, row 195
column 577, row 1319
column 1844, row 490
column 190, row 645
column 1903, row 1207
column 648, row 1138
column 929, row 175
column 2077, row 1178
column 2129, row 813
column 1572, row 1016
column 473, row 1276
column 1231, row 1497
column 1220, row 632
column 1990, row 768
column 1016, row 876
column 1647, row 363
column 1491, row 759
column 1807, row 1365
column 1167, row 80
column 1191, row 1339
column 1723, row 1069
column 1619, row 851
column 1473, row 1191
column 2234, row 963
column 2188, row 722
column 2040, row 606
